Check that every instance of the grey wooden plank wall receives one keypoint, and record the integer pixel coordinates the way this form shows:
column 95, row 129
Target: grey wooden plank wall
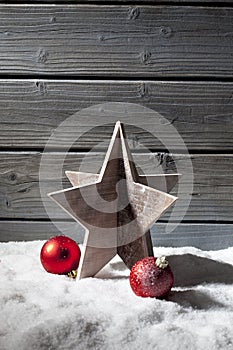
column 174, row 57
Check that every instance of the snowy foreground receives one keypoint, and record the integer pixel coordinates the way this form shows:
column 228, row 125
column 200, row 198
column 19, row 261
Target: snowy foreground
column 44, row 311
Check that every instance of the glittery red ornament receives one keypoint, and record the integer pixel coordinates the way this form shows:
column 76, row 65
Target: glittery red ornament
column 151, row 277
column 60, row 255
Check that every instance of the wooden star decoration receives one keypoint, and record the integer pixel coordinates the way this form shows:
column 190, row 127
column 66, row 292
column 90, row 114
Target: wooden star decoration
column 116, row 207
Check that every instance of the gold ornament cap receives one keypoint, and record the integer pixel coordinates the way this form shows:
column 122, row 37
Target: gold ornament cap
column 72, row 274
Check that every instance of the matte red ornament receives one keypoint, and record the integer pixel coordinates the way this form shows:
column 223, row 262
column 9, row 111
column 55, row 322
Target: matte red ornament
column 151, row 277
column 60, row 255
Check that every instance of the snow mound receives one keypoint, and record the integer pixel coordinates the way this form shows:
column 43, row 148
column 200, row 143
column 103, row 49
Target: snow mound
column 44, row 311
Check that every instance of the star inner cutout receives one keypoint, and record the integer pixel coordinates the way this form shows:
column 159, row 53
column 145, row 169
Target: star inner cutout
column 116, row 207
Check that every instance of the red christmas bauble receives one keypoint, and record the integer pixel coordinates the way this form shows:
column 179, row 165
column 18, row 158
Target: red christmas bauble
column 60, row 255
column 151, row 277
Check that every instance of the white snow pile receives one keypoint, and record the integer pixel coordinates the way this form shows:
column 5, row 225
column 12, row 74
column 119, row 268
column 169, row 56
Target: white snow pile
column 45, row 311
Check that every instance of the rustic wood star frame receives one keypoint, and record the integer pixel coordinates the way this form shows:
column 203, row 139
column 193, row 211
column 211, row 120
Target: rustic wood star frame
column 116, row 207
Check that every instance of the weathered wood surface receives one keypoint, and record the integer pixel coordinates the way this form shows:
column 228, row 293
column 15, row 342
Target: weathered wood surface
column 143, row 41
column 140, row 42
column 30, row 110
column 117, row 217
column 203, row 236
column 212, row 196
column 152, row 2
column 16, row 230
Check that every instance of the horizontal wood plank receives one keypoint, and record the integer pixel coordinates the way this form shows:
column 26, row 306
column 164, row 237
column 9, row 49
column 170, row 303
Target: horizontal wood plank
column 30, row 110
column 152, row 2
column 20, row 197
column 203, row 236
column 16, row 230
column 140, row 41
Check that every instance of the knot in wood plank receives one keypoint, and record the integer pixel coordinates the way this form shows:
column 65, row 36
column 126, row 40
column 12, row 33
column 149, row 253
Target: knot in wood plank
column 143, row 90
column 41, row 87
column 42, row 56
column 165, row 31
column 134, row 13
column 12, row 177
column 7, row 201
column 53, row 19
column 145, row 57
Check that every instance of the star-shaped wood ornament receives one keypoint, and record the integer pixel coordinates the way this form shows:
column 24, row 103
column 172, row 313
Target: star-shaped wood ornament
column 116, row 207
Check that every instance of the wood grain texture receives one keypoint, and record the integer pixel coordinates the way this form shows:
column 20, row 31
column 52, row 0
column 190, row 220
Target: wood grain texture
column 203, row 236
column 152, row 2
column 148, row 41
column 16, row 230
column 117, row 217
column 212, row 196
column 30, row 110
